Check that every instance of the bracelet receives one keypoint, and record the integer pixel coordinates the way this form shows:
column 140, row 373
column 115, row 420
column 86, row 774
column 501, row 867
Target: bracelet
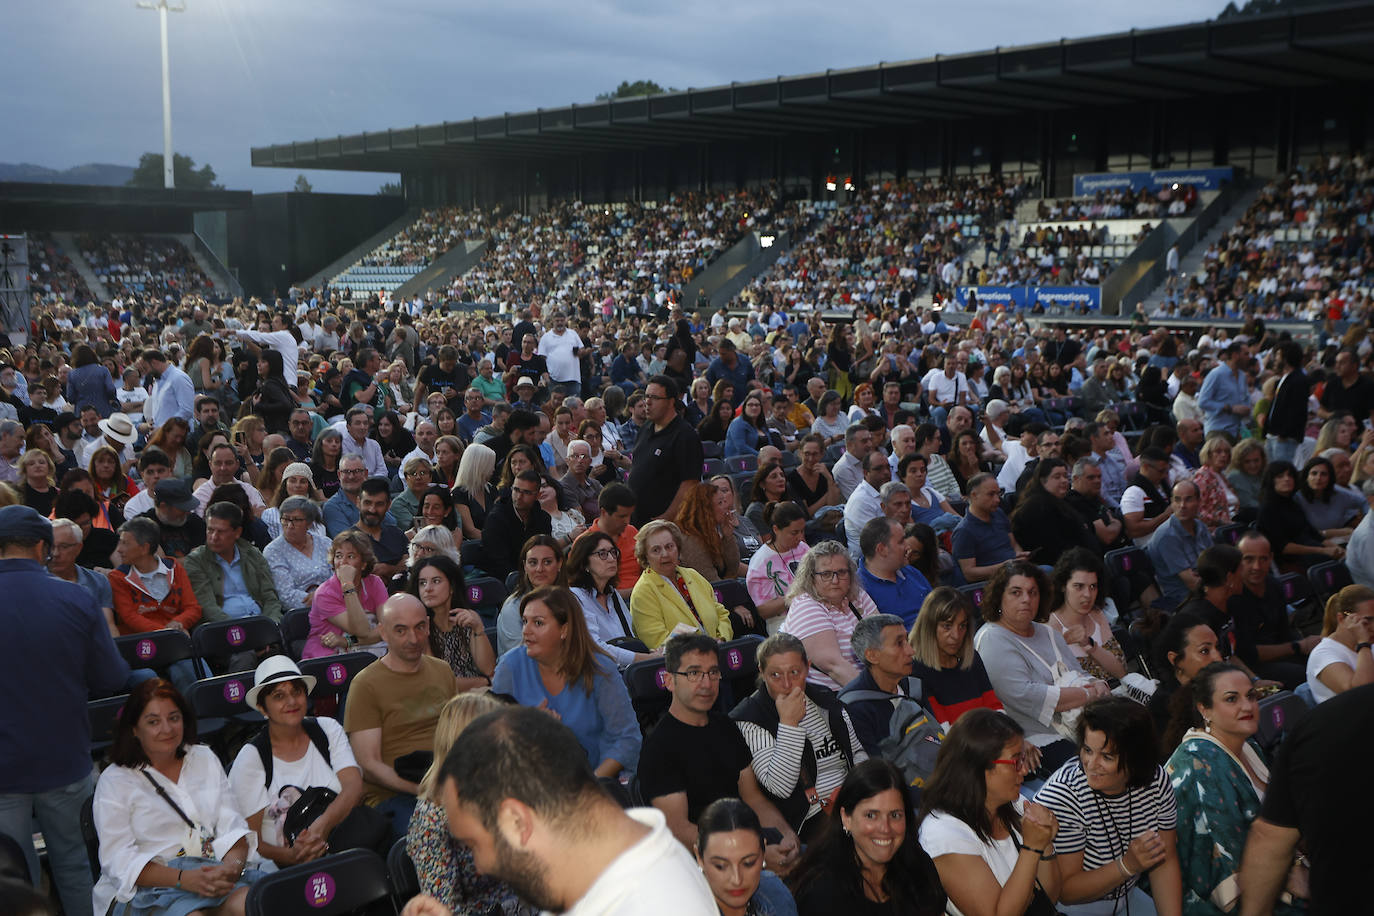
column 1121, row 864
column 350, row 591
column 1363, row 645
column 178, row 879
column 1025, row 848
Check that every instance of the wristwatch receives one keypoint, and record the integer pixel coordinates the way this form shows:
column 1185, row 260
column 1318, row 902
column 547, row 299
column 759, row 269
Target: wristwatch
column 1362, row 645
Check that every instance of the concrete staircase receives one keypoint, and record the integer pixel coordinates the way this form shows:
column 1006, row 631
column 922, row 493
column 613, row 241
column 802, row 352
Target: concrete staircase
column 1190, row 261
column 67, row 242
column 224, row 284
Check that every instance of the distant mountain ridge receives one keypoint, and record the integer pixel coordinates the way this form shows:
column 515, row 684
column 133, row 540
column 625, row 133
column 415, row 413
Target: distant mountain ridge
column 94, row 173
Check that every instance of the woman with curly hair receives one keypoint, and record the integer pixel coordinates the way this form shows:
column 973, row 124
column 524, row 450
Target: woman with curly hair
column 706, row 548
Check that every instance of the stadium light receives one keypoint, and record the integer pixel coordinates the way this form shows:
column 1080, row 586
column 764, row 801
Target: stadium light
column 163, row 7
column 849, row 184
column 830, row 183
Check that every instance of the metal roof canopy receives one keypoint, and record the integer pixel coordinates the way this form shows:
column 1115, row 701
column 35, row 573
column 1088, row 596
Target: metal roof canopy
column 1248, row 54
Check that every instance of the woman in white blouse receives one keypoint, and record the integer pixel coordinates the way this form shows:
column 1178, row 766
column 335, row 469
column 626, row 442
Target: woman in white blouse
column 568, row 522
column 171, row 838
column 302, row 752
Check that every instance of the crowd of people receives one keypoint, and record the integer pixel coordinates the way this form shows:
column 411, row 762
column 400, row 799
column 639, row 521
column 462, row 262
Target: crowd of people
column 144, row 268
column 1298, row 251
column 52, row 276
column 1146, row 203
column 916, row 517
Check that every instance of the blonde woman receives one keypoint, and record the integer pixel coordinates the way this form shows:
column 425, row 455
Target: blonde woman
column 473, row 494
column 445, row 866
column 249, row 435
column 38, row 476
column 1343, row 659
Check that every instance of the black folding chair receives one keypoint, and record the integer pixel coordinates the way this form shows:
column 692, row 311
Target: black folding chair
column 295, row 630
column 158, row 650
column 974, row 590
column 733, row 593
column 710, row 467
column 104, row 716
column 334, row 675
column 405, row 883
column 1228, row 534
column 742, row 464
column 1329, row 577
column 711, row 449
column 485, row 595
column 220, row 700
column 353, row 882
column 217, row 643
column 1279, row 714
column 650, row 692
column 739, row 668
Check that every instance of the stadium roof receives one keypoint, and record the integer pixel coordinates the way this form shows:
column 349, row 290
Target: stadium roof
column 1243, row 54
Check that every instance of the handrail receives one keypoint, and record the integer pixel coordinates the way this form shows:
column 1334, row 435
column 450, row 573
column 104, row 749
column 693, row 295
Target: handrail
column 235, row 287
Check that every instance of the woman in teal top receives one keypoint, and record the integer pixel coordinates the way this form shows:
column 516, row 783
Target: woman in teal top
column 1219, row 779
column 559, row 667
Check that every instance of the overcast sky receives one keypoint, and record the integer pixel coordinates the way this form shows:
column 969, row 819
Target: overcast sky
column 82, row 80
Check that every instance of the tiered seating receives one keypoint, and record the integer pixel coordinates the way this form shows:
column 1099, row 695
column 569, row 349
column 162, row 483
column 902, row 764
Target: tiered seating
column 1062, row 255
column 654, row 246
column 1296, row 252
column 886, row 238
column 411, row 250
column 145, row 268
column 52, row 272
column 529, row 256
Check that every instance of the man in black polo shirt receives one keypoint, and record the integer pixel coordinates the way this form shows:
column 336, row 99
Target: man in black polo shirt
column 1264, row 637
column 1350, row 390
column 695, row 755
column 666, row 459
column 445, row 378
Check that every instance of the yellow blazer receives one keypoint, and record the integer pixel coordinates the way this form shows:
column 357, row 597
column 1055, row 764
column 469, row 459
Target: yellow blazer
column 656, row 607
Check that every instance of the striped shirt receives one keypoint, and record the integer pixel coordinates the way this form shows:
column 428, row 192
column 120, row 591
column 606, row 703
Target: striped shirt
column 778, row 762
column 1102, row 826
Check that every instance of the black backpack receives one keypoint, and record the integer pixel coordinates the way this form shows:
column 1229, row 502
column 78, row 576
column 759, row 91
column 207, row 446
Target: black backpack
column 313, row 799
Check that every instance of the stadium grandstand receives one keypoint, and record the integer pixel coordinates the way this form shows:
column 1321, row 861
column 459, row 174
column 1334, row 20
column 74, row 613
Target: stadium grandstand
column 720, row 399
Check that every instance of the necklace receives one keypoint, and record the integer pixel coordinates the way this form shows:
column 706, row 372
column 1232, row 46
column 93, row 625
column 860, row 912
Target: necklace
column 1114, row 838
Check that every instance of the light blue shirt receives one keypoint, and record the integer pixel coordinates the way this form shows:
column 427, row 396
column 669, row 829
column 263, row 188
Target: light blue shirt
column 1113, row 476
column 237, row 601
column 1221, row 390
column 173, row 395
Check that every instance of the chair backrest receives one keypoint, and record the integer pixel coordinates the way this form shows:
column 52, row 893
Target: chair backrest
column 650, row 692
column 1295, row 588
column 159, row 649
column 470, row 551
column 223, row 697
column 103, row 716
column 405, row 883
column 512, row 581
column 1279, row 714
column 790, row 460
column 1228, row 534
column 334, row 674
column 711, row 467
column 295, row 630
column 732, row 593
column 485, row 595
column 742, row 464
column 739, row 668
column 225, row 637
column 347, row 882
column 833, row 454
column 1329, row 577
column 974, row 590
column 710, row 449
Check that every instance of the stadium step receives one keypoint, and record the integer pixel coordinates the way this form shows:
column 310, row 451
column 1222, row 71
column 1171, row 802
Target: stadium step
column 444, row 270
column 1190, row 261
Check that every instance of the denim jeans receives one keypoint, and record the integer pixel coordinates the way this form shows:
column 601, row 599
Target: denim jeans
column 1280, row 449
column 58, row 812
column 398, row 809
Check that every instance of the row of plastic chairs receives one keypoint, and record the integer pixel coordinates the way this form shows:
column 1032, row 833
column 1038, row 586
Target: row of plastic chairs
column 219, row 700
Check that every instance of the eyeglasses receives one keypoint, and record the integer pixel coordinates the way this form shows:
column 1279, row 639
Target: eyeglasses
column 832, row 575
column 1021, row 761
column 695, row 675
column 607, row 553
column 352, row 472
column 419, row 472
column 295, row 520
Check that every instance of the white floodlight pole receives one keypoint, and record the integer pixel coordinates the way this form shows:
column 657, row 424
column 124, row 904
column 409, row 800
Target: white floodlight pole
column 162, row 7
